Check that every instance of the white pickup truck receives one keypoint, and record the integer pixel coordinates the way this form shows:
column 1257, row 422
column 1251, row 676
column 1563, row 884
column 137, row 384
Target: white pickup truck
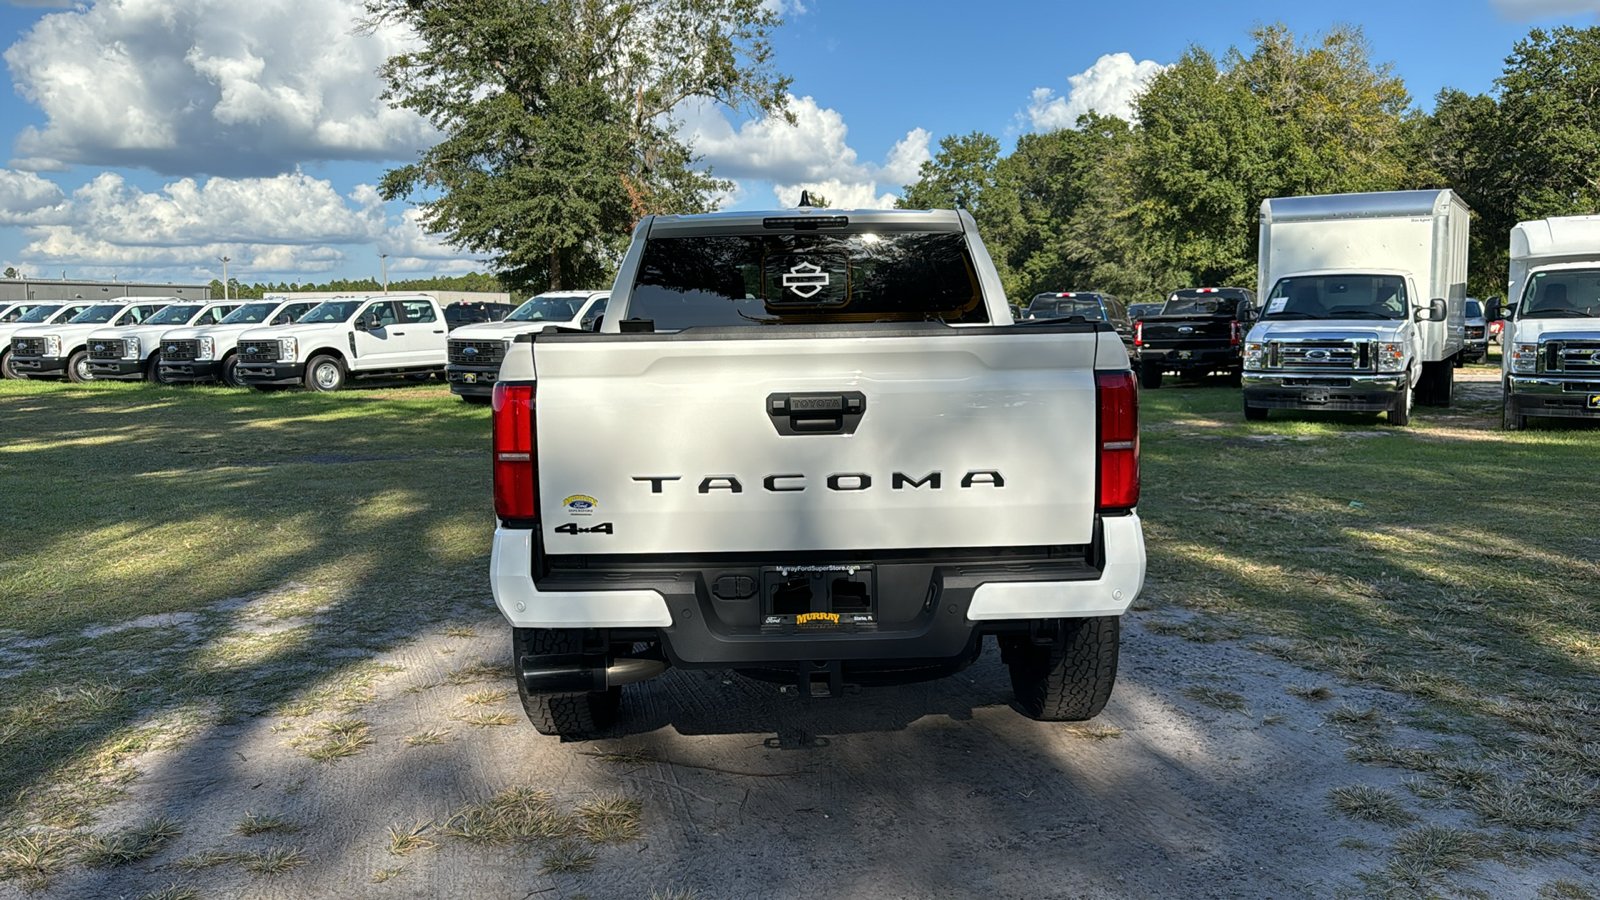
column 476, row 350
column 355, row 337
column 1550, row 364
column 49, row 313
column 210, row 352
column 811, row 445
column 133, row 353
column 61, row 348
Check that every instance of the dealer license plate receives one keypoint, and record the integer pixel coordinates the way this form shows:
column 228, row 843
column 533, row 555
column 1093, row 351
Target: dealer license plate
column 469, row 377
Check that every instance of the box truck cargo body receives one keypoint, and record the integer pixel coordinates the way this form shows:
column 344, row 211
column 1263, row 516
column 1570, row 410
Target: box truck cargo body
column 1364, row 303
column 1550, row 363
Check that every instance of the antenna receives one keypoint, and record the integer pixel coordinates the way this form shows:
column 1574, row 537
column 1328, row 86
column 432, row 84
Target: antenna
column 805, row 198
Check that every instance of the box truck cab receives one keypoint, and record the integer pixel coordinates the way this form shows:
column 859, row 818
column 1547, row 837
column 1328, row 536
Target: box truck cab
column 1365, row 303
column 1550, row 362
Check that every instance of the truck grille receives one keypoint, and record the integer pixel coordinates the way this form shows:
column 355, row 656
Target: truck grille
column 107, row 349
column 27, row 346
column 1575, row 357
column 1474, row 332
column 173, row 351
column 476, row 353
column 1320, row 355
column 258, row 351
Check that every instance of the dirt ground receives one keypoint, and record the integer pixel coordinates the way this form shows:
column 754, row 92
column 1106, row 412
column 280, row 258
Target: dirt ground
column 1205, row 777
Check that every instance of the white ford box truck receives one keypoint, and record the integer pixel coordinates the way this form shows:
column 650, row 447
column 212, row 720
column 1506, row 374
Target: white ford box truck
column 811, row 445
column 1365, row 305
column 1550, row 362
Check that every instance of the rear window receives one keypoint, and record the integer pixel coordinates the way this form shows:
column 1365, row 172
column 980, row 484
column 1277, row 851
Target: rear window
column 803, row 279
column 1055, row 306
column 1197, row 302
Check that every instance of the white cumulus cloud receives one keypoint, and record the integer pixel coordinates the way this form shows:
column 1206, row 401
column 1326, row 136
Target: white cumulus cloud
column 814, row 154
column 214, row 86
column 1108, row 87
column 286, row 225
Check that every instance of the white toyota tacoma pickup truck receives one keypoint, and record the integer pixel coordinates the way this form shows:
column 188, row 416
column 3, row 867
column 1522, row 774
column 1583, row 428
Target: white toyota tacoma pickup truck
column 811, row 445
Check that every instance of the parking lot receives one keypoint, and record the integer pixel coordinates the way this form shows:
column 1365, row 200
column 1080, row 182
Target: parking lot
column 248, row 636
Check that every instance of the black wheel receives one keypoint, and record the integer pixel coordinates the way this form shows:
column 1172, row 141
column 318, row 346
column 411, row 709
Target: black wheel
column 6, row 370
column 1236, row 378
column 230, row 370
column 324, row 373
column 1400, row 413
column 564, row 715
column 476, row 399
column 152, row 369
column 1254, row 413
column 78, row 368
column 1068, row 681
column 1149, row 376
column 1511, row 418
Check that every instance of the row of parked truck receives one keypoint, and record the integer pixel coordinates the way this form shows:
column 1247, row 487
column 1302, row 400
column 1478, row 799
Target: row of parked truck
column 1362, row 306
column 275, row 343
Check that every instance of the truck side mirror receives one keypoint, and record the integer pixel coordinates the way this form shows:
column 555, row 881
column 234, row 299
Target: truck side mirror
column 591, row 324
column 1494, row 309
column 1436, row 311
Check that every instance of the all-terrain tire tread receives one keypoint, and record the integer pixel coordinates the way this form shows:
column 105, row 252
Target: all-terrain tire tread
column 562, row 715
column 1072, row 682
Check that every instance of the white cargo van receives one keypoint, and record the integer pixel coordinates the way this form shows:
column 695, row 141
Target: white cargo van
column 1365, row 303
column 1550, row 359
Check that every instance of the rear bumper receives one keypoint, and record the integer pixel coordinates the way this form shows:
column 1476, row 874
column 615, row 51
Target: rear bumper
column 471, row 381
column 1344, row 393
column 191, row 370
column 925, row 609
column 116, row 368
column 270, row 373
column 1567, row 398
column 1197, row 358
column 39, row 365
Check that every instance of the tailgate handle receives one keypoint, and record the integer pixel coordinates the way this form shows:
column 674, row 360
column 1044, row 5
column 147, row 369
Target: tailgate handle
column 794, row 414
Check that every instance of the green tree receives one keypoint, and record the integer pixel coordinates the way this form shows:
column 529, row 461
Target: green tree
column 11, row 272
column 1218, row 137
column 962, row 171
column 556, row 119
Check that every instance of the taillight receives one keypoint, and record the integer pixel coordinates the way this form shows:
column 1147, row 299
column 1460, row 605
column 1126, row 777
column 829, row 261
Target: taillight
column 516, row 469
column 1236, row 336
column 1138, row 334
column 1118, row 434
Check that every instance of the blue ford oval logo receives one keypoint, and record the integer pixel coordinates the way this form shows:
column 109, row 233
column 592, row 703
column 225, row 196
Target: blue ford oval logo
column 251, row 350
column 99, row 346
column 470, row 351
column 1318, row 355
column 172, row 349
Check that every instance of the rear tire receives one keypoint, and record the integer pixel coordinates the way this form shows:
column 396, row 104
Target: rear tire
column 1070, row 682
column 6, row 371
column 562, row 715
column 1149, row 377
column 1400, row 413
column 324, row 374
column 1438, row 383
column 1510, row 418
column 78, row 368
column 152, row 369
column 476, row 399
column 1254, row 413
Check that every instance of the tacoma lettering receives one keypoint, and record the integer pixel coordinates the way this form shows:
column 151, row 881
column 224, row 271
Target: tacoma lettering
column 846, row 482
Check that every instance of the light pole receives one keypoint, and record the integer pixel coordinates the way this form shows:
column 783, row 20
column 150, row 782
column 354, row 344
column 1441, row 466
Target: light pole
column 225, row 260
column 384, row 257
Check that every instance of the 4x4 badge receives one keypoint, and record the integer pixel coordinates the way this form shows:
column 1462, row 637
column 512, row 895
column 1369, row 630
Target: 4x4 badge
column 806, row 280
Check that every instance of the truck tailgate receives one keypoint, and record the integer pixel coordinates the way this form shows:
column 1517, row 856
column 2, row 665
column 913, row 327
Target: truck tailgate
column 670, row 443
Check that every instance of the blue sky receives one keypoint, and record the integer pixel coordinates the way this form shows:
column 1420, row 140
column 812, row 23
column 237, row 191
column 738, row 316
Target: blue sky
column 145, row 138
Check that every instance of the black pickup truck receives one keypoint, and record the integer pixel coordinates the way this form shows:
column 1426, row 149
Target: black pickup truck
column 1199, row 331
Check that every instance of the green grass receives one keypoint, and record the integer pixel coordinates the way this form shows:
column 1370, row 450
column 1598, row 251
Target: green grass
column 256, row 526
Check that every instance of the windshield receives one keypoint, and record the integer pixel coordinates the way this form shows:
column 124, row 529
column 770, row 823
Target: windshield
column 1054, row 306
column 1474, row 309
column 97, row 315
column 38, row 314
column 16, row 312
column 1563, row 293
column 332, row 311
column 249, row 314
column 173, row 315
column 1203, row 302
column 1338, row 297
column 540, row 309
column 798, row 279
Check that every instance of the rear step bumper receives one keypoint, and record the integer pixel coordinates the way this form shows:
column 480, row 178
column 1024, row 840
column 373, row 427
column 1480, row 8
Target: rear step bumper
column 932, row 615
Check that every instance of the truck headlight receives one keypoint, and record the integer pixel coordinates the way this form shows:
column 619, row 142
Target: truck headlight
column 1255, row 356
column 130, row 348
column 1391, row 357
column 289, row 350
column 1525, row 358
column 52, row 345
column 205, row 349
